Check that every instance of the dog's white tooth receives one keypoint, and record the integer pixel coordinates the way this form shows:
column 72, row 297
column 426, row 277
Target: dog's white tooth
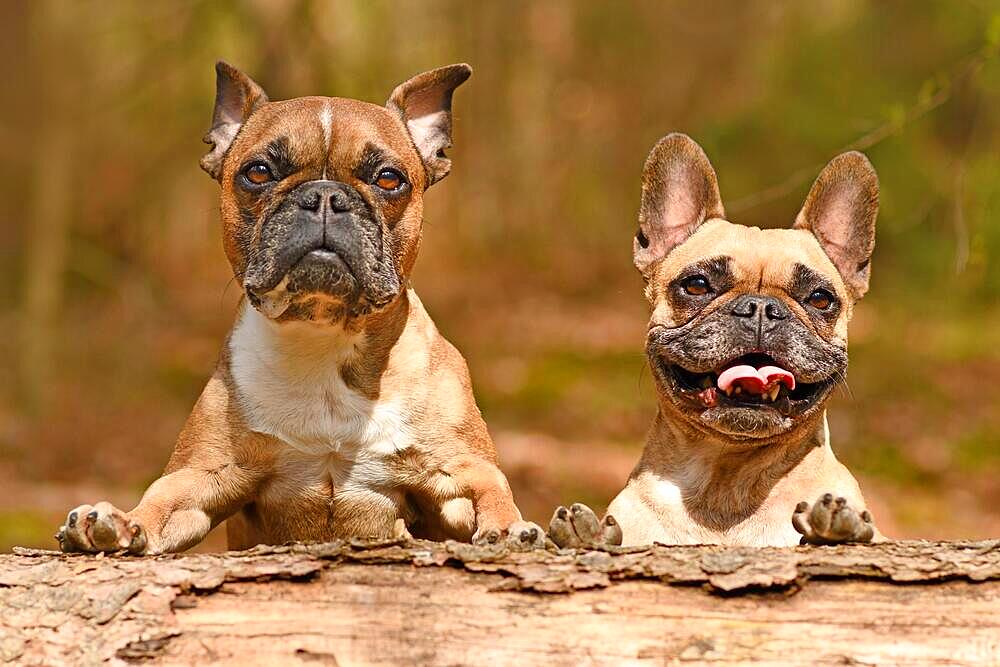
column 775, row 391
column 729, row 391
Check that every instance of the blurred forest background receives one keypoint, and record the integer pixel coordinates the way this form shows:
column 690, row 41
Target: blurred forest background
column 115, row 292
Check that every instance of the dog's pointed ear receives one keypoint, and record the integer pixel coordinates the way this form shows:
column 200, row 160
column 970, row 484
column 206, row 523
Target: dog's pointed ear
column 424, row 104
column 840, row 211
column 236, row 97
column 679, row 192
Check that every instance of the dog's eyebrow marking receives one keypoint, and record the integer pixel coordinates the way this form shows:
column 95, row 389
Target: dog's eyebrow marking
column 326, row 123
column 280, row 153
column 718, row 269
column 805, row 280
column 373, row 158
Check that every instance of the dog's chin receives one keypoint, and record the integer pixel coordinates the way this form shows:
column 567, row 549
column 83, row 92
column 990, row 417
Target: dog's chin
column 739, row 417
column 321, row 287
column 746, row 423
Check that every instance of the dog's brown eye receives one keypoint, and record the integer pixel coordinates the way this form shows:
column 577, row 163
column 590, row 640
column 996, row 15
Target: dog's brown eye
column 820, row 299
column 389, row 179
column 258, row 173
column 696, row 285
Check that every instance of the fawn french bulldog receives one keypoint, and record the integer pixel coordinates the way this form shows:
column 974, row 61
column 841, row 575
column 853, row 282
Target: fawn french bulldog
column 747, row 340
column 336, row 408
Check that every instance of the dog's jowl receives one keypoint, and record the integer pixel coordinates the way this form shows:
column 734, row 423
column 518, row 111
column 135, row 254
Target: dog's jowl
column 747, row 340
column 336, row 408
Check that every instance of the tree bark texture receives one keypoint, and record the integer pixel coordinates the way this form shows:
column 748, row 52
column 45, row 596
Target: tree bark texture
column 423, row 603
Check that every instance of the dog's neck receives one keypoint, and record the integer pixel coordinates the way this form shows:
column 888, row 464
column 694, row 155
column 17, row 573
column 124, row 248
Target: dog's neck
column 299, row 349
column 722, row 482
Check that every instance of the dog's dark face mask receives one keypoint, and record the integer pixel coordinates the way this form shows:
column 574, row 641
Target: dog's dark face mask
column 749, row 329
column 322, row 198
column 325, row 241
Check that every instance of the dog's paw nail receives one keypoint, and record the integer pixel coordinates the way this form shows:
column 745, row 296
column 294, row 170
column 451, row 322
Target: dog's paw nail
column 841, row 501
column 610, row 521
column 92, row 515
column 827, row 498
column 866, row 516
column 72, row 520
column 562, row 513
column 801, row 507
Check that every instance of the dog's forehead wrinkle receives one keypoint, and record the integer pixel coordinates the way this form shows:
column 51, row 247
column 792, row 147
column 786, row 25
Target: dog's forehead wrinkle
column 327, row 123
column 760, row 257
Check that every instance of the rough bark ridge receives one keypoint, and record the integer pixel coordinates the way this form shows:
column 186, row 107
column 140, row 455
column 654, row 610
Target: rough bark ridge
column 432, row 603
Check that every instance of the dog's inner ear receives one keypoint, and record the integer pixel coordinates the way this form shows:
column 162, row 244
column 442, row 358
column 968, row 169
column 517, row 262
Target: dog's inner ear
column 236, row 97
column 679, row 192
column 840, row 211
column 424, row 104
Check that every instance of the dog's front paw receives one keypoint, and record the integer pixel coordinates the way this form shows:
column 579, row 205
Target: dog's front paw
column 832, row 521
column 487, row 535
column 525, row 536
column 578, row 526
column 519, row 536
column 101, row 527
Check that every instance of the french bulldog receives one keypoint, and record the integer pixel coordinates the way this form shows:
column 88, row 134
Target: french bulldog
column 336, row 408
column 746, row 343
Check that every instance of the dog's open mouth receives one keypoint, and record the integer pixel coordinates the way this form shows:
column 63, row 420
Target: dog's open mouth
column 750, row 381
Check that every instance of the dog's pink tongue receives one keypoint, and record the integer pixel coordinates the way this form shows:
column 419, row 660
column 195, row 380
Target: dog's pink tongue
column 754, row 380
column 774, row 374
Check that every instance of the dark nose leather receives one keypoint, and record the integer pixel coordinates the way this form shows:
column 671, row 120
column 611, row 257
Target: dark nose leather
column 324, row 196
column 758, row 306
column 759, row 314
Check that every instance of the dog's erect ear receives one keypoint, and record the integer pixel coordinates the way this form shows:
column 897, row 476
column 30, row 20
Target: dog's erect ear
column 236, row 97
column 840, row 211
column 679, row 192
column 424, row 104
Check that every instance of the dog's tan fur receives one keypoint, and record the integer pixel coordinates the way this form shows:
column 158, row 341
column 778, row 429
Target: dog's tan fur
column 694, row 484
column 313, row 430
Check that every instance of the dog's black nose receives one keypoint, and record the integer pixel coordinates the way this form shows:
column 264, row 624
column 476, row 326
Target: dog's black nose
column 314, row 195
column 340, row 202
column 759, row 306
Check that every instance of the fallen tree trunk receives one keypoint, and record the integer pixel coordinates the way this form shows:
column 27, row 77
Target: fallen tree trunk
column 420, row 603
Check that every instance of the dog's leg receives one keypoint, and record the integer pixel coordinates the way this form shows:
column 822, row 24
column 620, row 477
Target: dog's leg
column 497, row 518
column 203, row 485
column 175, row 513
column 578, row 526
column 832, row 521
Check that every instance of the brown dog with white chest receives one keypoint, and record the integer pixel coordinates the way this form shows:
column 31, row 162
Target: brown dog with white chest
column 336, row 408
column 747, row 340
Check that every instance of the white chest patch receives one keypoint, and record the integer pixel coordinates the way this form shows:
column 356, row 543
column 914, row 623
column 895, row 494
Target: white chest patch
column 289, row 384
column 667, row 493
